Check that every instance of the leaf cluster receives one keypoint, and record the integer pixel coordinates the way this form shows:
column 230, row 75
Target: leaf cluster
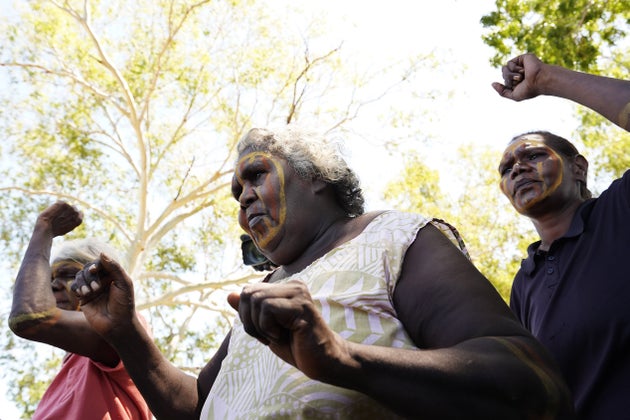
column 131, row 111
column 571, row 33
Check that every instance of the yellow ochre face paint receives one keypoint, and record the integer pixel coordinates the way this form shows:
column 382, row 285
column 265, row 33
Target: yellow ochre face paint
column 63, row 273
column 545, row 169
column 265, row 217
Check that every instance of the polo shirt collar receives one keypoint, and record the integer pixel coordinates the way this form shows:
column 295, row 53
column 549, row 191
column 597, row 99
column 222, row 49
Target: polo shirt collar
column 577, row 227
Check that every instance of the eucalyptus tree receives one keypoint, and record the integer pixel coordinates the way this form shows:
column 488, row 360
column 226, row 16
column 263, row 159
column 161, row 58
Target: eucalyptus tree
column 130, row 111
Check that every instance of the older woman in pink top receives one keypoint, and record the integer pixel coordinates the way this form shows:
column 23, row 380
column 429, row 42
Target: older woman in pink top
column 92, row 382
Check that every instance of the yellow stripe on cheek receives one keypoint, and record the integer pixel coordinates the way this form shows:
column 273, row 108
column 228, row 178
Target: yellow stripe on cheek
column 553, row 187
column 503, row 186
column 282, row 207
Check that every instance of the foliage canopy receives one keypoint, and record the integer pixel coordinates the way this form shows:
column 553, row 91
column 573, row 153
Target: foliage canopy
column 130, row 111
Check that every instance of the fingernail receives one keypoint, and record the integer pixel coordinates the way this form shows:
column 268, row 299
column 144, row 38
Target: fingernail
column 85, row 290
column 95, row 286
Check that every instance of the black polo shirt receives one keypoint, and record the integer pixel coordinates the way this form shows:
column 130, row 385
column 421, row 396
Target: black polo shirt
column 575, row 299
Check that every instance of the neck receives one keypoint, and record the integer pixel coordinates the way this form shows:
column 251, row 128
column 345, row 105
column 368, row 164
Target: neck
column 335, row 233
column 553, row 225
column 325, row 240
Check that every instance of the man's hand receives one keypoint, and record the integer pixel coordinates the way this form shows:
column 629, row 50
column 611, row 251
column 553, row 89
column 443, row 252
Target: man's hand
column 521, row 76
column 62, row 218
column 284, row 317
column 106, row 296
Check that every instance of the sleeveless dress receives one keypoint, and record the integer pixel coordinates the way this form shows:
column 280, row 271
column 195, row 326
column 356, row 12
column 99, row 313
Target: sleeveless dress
column 352, row 286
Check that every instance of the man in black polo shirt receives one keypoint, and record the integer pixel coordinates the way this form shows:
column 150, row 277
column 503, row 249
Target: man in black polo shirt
column 573, row 289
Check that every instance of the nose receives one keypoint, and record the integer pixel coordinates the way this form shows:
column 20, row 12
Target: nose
column 517, row 168
column 248, row 196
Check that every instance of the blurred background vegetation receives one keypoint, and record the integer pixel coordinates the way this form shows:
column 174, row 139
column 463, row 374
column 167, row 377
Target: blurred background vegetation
column 131, row 110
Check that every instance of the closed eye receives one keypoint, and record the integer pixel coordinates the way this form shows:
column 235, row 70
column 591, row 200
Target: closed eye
column 505, row 167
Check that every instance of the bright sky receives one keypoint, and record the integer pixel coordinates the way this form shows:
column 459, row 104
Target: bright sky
column 475, row 112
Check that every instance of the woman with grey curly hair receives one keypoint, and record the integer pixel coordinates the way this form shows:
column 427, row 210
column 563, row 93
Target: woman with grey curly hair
column 367, row 315
column 312, row 156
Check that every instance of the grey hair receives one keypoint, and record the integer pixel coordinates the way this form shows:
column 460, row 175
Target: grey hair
column 84, row 251
column 313, row 156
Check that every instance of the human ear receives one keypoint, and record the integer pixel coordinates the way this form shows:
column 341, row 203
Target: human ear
column 580, row 168
column 318, row 185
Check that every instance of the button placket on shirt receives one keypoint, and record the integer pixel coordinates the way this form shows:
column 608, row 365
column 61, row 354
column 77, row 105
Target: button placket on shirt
column 551, row 270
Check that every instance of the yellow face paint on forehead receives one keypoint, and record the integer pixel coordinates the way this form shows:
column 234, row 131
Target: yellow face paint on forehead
column 275, row 205
column 65, row 268
column 528, row 140
column 66, row 264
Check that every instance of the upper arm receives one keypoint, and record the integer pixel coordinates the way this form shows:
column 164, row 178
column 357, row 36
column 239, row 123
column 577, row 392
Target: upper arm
column 442, row 299
column 445, row 303
column 209, row 373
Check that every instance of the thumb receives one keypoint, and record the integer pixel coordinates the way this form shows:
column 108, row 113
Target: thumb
column 110, row 272
column 108, row 269
column 501, row 89
column 234, row 299
column 109, row 264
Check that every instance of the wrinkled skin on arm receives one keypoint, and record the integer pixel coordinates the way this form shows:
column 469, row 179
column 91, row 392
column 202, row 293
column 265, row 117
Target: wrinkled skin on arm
column 107, row 299
column 35, row 313
column 476, row 360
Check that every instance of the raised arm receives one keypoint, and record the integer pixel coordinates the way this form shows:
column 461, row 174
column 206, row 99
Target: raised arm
column 108, row 303
column 526, row 77
column 34, row 312
column 476, row 361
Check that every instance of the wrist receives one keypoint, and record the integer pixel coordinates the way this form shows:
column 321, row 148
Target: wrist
column 43, row 226
column 346, row 363
column 551, row 80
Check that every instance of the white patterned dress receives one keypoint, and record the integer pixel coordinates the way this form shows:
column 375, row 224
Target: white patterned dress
column 353, row 287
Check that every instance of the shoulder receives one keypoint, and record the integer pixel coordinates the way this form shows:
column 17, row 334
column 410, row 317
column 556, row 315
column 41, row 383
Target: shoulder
column 392, row 218
column 399, row 224
column 391, row 226
column 614, row 202
column 621, row 186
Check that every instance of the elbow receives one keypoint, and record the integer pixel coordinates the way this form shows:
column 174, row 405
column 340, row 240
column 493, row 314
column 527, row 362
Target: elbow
column 536, row 384
column 547, row 397
column 17, row 326
column 555, row 401
column 27, row 325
